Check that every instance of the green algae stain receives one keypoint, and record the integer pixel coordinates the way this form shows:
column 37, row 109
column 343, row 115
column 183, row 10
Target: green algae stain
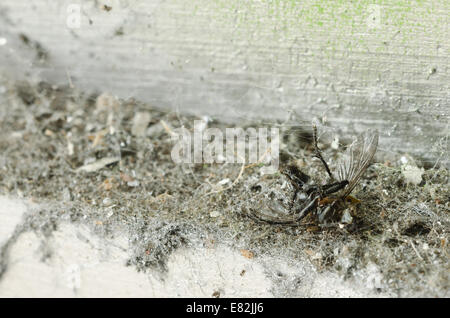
column 362, row 23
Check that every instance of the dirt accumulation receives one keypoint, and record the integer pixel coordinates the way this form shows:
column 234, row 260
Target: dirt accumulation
column 106, row 162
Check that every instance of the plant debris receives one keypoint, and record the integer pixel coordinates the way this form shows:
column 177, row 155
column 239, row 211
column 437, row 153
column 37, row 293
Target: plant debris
column 99, row 164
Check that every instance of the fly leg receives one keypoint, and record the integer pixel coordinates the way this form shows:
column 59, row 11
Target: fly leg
column 293, row 220
column 330, row 210
column 323, row 214
column 293, row 200
column 326, row 190
column 308, row 208
column 318, row 153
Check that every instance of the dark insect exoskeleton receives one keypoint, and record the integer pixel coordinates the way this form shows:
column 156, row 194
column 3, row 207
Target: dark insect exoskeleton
column 325, row 202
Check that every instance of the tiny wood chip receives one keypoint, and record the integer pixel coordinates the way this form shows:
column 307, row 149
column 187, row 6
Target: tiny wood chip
column 248, row 254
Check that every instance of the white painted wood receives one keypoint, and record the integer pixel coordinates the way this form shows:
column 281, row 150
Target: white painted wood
column 353, row 65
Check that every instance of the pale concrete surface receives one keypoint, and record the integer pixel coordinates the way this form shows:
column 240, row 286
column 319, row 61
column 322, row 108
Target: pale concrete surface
column 11, row 212
column 74, row 262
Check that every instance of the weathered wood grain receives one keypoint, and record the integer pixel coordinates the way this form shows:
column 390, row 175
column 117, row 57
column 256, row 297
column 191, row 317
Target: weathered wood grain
column 352, row 65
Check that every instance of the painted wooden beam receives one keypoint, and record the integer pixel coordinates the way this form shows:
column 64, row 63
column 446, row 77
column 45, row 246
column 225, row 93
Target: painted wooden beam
column 376, row 64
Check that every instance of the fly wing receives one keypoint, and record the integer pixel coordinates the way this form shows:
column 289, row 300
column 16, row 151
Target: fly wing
column 357, row 159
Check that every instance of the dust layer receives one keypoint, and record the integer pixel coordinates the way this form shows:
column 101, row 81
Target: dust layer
column 400, row 229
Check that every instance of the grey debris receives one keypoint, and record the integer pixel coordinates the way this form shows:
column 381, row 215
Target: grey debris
column 140, row 123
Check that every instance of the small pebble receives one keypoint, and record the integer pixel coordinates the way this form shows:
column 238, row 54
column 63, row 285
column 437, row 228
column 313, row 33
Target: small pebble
column 214, row 214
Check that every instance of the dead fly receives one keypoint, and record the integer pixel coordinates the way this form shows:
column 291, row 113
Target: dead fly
column 324, row 202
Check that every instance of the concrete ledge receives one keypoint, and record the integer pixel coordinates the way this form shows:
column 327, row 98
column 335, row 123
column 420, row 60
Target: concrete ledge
column 74, row 262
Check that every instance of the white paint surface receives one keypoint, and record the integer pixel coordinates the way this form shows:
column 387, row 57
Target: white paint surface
column 240, row 60
column 82, row 265
column 11, row 211
column 74, row 262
